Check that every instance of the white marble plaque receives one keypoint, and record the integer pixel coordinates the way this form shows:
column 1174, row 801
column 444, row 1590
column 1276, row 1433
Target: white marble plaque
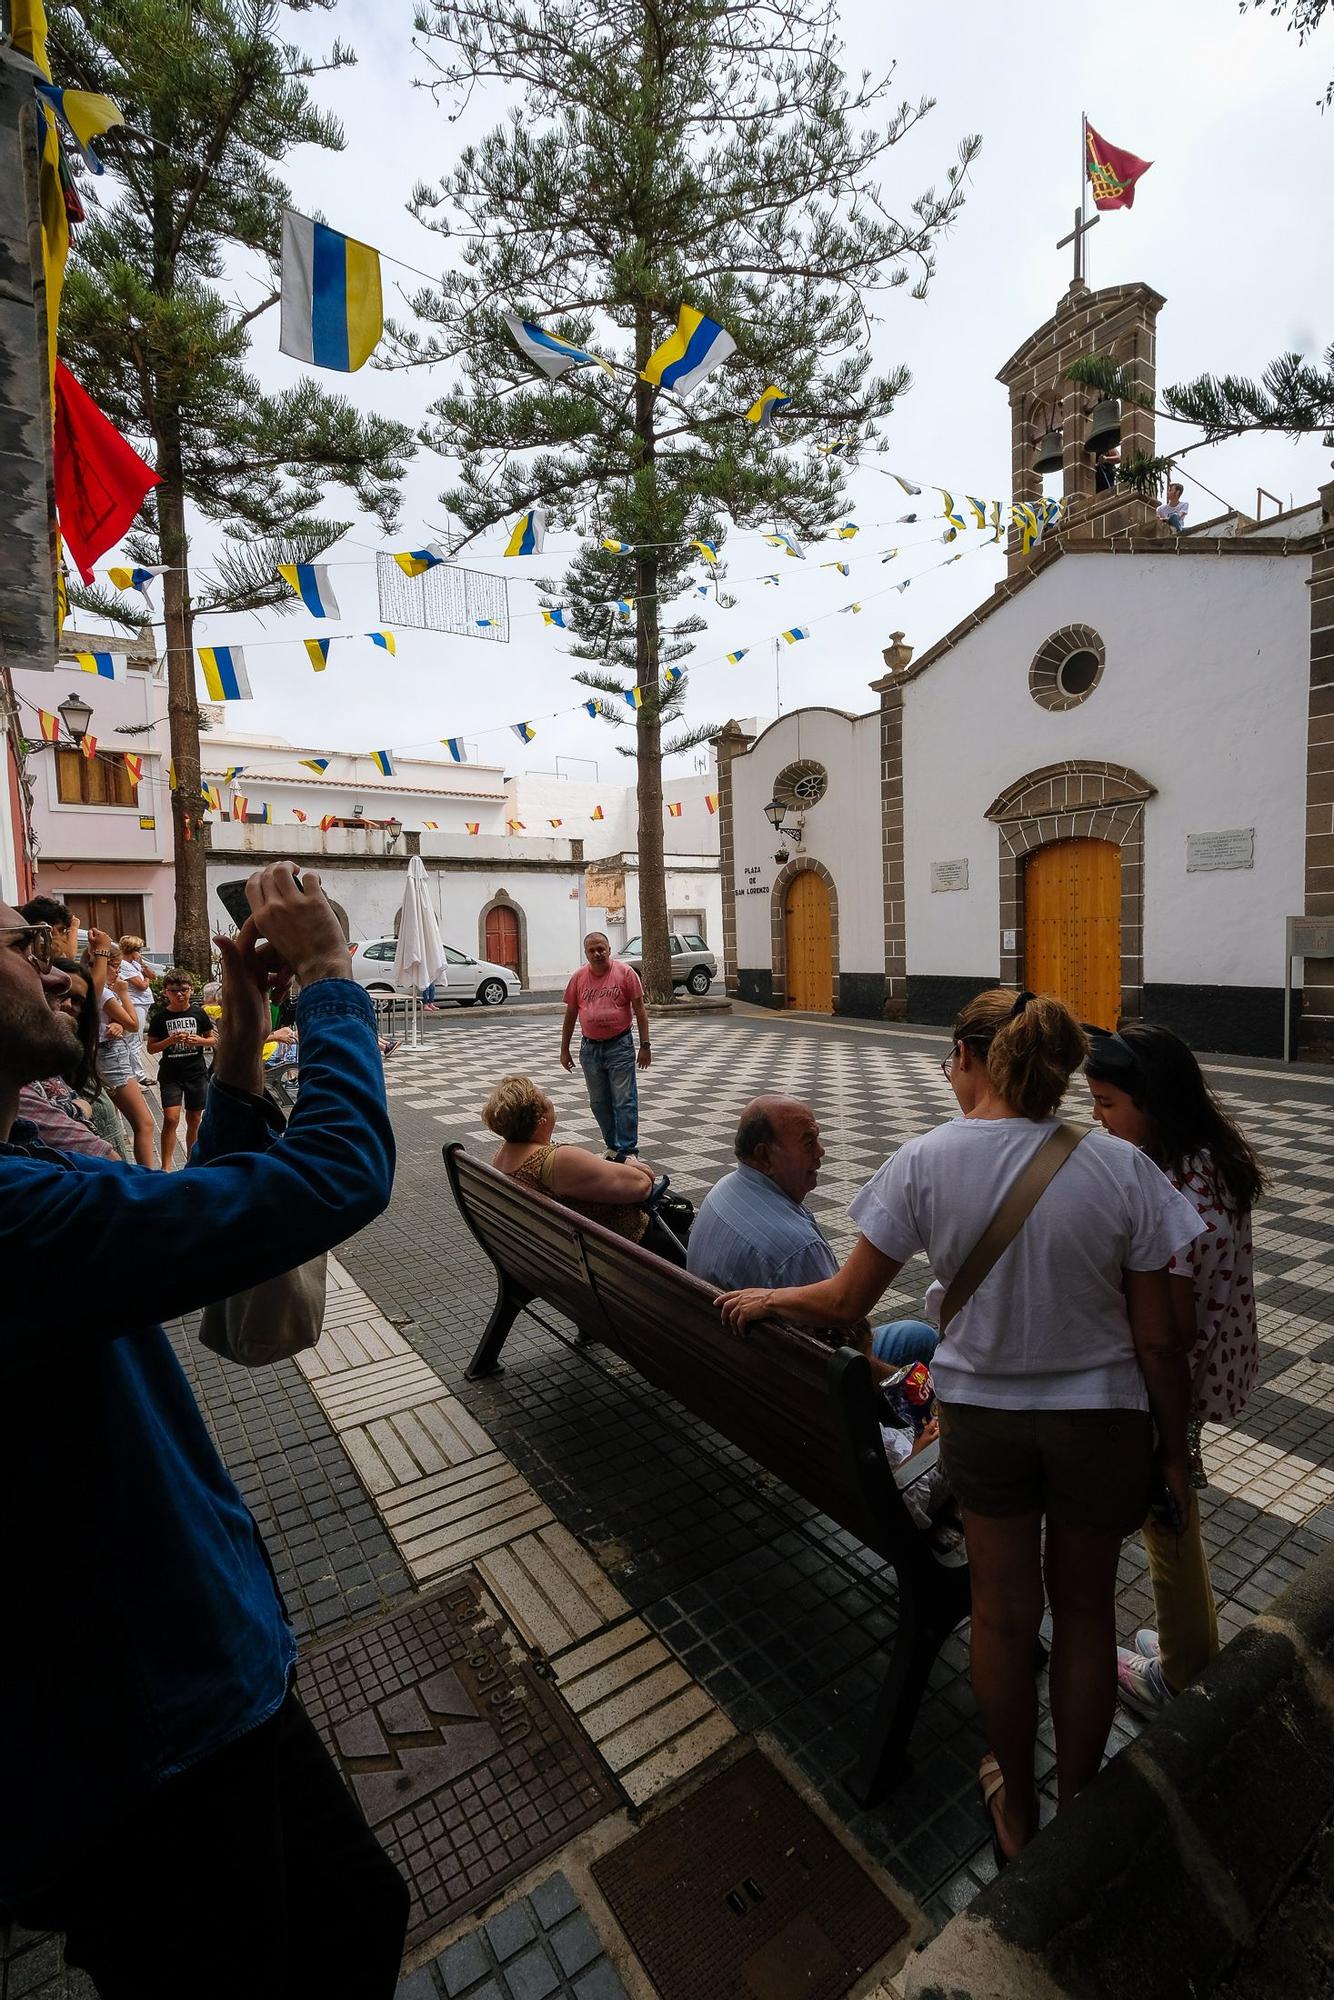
column 949, row 875
column 1008, row 941
column 1232, row 847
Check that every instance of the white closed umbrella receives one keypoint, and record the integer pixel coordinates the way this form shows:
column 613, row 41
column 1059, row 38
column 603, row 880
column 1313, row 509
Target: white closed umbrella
column 420, row 958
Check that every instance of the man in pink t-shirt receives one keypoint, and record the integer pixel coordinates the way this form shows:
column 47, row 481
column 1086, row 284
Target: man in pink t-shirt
column 602, row 996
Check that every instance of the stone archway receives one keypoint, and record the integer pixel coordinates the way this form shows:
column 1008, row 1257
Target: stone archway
column 778, row 927
column 502, row 900
column 1084, row 799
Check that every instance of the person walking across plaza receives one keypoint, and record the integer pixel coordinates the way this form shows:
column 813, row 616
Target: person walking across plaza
column 167, row 1803
column 604, row 996
column 179, row 1031
column 1148, row 1088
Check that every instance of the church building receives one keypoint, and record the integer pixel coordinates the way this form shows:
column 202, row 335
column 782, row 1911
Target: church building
column 1112, row 781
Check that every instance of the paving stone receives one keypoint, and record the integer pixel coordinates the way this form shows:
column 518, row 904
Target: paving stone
column 600, row 1982
column 575, row 1943
column 531, row 1976
column 553, row 1899
column 419, row 1985
column 464, row 1963
column 509, row 1930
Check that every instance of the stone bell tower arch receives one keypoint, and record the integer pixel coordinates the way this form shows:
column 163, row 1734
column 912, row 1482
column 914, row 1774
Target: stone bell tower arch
column 1119, row 322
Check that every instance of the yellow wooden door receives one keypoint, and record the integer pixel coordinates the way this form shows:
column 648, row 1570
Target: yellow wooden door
column 1072, row 927
column 810, row 951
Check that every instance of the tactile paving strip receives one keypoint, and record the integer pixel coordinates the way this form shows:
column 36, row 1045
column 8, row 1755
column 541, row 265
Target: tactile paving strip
column 743, row 1893
column 466, row 1764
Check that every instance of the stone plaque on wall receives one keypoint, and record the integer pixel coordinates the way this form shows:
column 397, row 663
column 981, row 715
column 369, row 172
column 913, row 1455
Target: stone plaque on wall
column 1232, row 847
column 949, row 875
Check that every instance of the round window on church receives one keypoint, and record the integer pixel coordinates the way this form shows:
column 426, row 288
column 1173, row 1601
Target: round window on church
column 801, row 785
column 1066, row 668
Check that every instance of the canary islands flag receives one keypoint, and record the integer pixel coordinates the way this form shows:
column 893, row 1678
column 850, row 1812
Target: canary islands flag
column 386, row 640
column 766, row 406
column 332, row 311
column 547, row 350
column 698, row 346
column 383, row 763
column 107, row 666
column 415, row 562
column 635, row 697
column 134, row 579
column 847, row 531
column 311, row 583
column 527, row 534
column 524, row 731
column 454, row 745
column 318, row 649
column 708, row 549
column 789, row 543
column 232, row 771
column 554, row 614
column 740, row 654
column 225, row 676
column 797, row 632
column 85, row 115
column 319, row 765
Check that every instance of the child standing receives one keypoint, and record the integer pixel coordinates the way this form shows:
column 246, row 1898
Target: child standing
column 1148, row 1088
column 179, row 1031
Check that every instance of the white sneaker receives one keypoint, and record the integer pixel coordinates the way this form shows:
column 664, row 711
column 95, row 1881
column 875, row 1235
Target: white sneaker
column 1140, row 1684
column 1146, row 1644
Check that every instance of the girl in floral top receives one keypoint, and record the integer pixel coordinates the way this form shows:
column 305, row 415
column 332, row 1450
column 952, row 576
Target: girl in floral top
column 1148, row 1088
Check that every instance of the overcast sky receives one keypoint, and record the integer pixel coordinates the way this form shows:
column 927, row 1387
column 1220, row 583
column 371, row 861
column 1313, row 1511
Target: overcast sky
column 1229, row 225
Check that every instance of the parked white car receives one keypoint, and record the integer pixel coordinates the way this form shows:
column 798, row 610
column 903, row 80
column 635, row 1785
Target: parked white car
column 466, row 979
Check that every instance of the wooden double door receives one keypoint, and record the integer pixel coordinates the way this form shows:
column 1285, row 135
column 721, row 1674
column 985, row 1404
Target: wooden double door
column 809, row 941
column 1072, row 927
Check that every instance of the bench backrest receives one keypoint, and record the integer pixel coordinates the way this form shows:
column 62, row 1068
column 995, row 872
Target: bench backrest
column 778, row 1392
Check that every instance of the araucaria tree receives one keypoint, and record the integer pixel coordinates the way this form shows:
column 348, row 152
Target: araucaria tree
column 218, row 96
column 661, row 152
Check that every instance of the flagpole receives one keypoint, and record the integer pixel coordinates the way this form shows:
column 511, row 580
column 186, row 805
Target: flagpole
column 1083, row 188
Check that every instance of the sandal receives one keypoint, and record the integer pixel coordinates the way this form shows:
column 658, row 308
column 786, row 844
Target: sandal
column 990, row 1782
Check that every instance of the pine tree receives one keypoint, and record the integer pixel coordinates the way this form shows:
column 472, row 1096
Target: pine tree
column 710, row 152
column 218, row 96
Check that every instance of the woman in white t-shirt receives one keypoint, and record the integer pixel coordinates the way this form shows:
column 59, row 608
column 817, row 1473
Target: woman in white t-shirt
column 1148, row 1088
column 1051, row 1377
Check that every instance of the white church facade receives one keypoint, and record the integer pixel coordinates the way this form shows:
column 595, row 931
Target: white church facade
column 1114, row 780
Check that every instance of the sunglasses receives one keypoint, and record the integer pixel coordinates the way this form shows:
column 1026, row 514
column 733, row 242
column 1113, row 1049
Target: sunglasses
column 32, row 940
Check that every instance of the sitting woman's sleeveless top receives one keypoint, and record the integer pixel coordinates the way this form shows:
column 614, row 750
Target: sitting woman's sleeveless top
column 536, row 1171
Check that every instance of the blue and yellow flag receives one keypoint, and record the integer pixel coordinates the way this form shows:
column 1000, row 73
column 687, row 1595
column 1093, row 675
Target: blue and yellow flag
column 979, row 508
column 797, row 632
column 107, row 666
column 318, row 650
column 138, row 579
column 454, row 745
column 547, row 350
column 232, row 772
column 698, row 346
column 527, row 534
column 383, row 763
column 594, row 707
column 671, row 675
column 554, row 614
column 844, row 569
column 224, row 672
column 849, row 607
column 847, row 531
column 615, row 548
column 415, row 562
column 312, row 585
column 635, row 697
column 788, row 543
column 85, row 115
column 708, row 549
column 331, row 306
column 386, row 640
column 486, row 624
column 319, row 765
column 767, row 406
column 740, row 654
column 524, row 731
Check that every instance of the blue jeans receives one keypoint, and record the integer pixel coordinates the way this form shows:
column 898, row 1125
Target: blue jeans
column 904, row 1340
column 609, row 1072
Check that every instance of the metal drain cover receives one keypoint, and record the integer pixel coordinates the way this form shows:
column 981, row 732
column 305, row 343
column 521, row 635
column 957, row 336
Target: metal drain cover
column 743, row 1893
column 466, row 1765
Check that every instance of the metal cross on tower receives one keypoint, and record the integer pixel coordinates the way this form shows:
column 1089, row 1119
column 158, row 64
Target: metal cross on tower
column 1082, row 226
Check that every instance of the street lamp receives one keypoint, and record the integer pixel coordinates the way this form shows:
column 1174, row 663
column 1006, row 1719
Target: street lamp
column 76, row 715
column 392, row 831
column 774, row 812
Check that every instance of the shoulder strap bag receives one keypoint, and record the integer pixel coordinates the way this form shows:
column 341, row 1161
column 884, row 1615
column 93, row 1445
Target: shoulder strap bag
column 1021, row 1198
column 269, row 1322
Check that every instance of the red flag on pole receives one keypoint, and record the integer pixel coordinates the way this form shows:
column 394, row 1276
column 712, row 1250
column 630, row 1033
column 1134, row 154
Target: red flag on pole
column 1112, row 173
column 101, row 480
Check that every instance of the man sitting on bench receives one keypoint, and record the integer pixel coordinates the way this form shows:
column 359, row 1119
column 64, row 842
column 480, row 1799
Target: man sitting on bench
column 754, row 1229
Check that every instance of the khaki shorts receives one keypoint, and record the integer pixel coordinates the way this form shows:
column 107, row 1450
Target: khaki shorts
column 1090, row 1469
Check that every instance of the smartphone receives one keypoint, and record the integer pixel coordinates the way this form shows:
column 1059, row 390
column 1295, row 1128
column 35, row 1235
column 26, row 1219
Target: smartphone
column 234, row 901
column 1164, row 1509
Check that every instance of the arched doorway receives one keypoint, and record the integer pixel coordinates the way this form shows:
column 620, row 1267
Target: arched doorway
column 809, row 944
column 1072, row 927
column 502, row 936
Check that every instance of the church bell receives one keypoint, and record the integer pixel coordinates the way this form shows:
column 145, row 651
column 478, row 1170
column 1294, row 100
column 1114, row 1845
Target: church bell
column 1050, row 455
column 1104, row 431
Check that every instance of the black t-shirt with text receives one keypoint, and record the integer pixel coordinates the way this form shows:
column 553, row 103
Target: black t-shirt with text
column 178, row 1064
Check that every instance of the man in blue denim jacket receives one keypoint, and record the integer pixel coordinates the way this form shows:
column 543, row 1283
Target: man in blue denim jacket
column 163, row 1798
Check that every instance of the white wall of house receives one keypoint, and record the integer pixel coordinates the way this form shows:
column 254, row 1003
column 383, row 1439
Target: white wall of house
column 1204, row 694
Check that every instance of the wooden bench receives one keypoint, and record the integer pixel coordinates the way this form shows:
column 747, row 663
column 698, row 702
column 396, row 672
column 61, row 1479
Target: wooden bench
column 805, row 1413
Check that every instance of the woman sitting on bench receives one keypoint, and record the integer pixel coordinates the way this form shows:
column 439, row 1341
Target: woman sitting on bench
column 606, row 1191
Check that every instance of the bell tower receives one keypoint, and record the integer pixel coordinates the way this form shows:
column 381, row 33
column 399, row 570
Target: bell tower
column 1057, row 425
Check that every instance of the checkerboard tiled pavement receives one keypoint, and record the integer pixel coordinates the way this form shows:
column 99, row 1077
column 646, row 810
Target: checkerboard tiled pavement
column 777, row 1615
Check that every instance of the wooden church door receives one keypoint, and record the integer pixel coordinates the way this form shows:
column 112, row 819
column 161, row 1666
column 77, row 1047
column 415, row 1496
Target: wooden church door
column 810, row 952
column 1072, row 927
column 502, row 937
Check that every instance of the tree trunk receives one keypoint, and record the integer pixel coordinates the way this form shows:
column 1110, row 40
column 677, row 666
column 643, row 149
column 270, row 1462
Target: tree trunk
column 657, row 959
column 191, row 946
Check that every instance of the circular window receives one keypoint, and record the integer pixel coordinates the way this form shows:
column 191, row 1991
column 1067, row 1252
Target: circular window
column 1066, row 668
column 801, row 784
